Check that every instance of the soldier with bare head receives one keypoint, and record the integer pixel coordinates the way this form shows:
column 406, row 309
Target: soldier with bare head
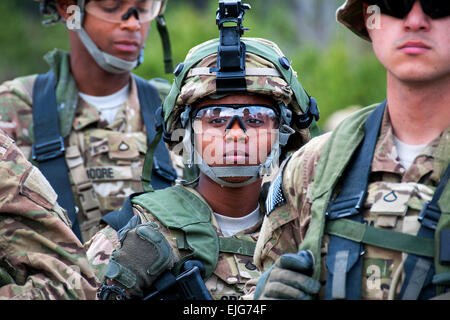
column 87, row 123
column 40, row 258
column 365, row 209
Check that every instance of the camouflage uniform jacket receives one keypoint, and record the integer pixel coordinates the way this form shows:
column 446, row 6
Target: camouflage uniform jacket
column 40, row 257
column 234, row 277
column 395, row 198
column 105, row 160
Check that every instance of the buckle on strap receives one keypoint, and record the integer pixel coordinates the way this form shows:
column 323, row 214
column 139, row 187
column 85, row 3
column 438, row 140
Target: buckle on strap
column 48, row 150
column 344, row 208
column 429, row 215
column 89, row 201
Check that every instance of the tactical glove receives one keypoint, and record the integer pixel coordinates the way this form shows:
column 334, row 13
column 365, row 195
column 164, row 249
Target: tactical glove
column 289, row 279
column 144, row 254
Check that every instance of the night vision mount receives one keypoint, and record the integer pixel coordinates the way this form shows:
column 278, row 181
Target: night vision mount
column 230, row 71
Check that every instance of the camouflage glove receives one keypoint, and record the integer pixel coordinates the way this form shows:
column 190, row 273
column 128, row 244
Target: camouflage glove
column 143, row 255
column 289, row 279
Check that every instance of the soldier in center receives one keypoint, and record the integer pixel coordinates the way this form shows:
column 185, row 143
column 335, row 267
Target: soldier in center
column 235, row 130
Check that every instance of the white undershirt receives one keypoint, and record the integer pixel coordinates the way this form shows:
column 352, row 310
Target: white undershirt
column 407, row 152
column 230, row 226
column 108, row 106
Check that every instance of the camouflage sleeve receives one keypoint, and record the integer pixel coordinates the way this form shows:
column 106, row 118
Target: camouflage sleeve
column 40, row 257
column 99, row 249
column 16, row 111
column 284, row 228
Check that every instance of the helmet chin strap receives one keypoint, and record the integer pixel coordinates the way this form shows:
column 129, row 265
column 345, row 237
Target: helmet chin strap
column 106, row 61
column 216, row 173
column 253, row 172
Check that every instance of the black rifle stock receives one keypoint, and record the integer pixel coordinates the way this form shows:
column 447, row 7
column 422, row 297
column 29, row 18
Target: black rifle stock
column 189, row 285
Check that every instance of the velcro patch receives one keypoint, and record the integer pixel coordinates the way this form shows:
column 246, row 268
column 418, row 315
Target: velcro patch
column 391, row 200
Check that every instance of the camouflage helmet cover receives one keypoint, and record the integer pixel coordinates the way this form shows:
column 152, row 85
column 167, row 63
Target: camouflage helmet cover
column 197, row 85
column 350, row 14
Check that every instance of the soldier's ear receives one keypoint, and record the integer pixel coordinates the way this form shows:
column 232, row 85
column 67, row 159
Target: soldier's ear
column 62, row 7
column 367, row 15
column 364, row 10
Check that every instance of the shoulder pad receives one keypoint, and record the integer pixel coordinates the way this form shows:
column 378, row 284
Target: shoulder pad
column 275, row 195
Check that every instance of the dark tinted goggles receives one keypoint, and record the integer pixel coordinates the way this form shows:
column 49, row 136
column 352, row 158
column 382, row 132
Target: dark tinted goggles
column 435, row 9
column 248, row 116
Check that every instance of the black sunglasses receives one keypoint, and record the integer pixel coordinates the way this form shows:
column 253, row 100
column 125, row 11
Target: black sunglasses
column 435, row 9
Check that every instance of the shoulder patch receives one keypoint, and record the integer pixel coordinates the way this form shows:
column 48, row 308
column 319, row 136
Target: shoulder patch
column 22, row 87
column 37, row 188
column 275, row 196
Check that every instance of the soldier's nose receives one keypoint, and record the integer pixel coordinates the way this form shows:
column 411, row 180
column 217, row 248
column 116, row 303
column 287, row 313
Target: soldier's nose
column 236, row 131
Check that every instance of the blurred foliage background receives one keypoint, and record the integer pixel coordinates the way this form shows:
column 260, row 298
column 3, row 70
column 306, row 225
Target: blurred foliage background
column 333, row 64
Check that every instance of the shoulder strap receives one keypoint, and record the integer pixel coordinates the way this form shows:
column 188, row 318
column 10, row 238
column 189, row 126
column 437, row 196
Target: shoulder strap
column 162, row 173
column 418, row 269
column 48, row 148
column 237, row 245
column 343, row 257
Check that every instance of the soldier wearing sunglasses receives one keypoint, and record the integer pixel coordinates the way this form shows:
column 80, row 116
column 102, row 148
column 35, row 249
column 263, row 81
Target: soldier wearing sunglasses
column 365, row 209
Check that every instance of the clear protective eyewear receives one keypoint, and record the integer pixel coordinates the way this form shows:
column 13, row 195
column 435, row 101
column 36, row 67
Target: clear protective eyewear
column 222, row 117
column 118, row 11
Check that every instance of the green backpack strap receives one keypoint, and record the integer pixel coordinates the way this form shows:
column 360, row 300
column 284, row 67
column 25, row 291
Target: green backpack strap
column 333, row 160
column 234, row 245
column 178, row 208
column 393, row 240
column 237, row 245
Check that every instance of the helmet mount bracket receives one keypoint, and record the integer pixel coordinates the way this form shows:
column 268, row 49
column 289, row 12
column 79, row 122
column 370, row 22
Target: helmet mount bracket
column 231, row 51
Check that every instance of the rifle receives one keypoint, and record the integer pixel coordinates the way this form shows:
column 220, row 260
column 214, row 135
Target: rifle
column 189, row 285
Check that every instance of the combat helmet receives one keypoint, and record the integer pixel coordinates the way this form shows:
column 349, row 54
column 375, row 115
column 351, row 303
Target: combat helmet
column 351, row 15
column 263, row 69
column 106, row 61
